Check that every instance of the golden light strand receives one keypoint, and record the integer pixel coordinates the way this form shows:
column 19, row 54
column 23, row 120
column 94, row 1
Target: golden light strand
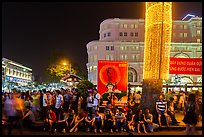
column 158, row 29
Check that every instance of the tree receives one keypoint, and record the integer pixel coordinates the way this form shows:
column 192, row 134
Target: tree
column 83, row 87
column 58, row 66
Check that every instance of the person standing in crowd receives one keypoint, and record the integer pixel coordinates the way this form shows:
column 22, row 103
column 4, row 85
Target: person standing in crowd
column 161, row 108
column 89, row 101
column 44, row 104
column 36, row 103
column 66, row 100
column 190, row 114
column 58, row 104
column 175, row 101
column 96, row 99
column 137, row 99
column 171, row 113
column 181, row 101
column 14, row 111
column 49, row 99
column 75, row 101
column 168, row 95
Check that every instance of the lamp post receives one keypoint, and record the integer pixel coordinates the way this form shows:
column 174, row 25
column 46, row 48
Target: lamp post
column 70, row 67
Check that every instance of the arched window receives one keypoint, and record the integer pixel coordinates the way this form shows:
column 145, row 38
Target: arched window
column 132, row 75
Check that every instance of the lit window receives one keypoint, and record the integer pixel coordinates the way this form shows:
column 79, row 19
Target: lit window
column 198, row 32
column 109, row 34
column 136, row 25
column 107, row 47
column 133, row 57
column 136, row 34
column 95, row 48
column 198, row 41
column 185, row 26
column 126, row 57
column 125, row 33
column 111, row 57
column 121, row 57
column 112, row 47
column 104, row 35
column 185, row 34
column 181, row 34
column 121, row 48
column 121, row 34
column 132, row 26
column 125, row 25
column 131, row 34
column 95, row 58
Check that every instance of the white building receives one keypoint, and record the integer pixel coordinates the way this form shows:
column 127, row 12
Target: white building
column 123, row 39
column 15, row 72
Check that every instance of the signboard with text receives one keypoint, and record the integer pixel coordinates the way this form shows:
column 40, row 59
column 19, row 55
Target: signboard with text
column 186, row 66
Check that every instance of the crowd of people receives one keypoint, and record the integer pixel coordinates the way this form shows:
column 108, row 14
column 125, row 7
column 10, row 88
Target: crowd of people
column 65, row 110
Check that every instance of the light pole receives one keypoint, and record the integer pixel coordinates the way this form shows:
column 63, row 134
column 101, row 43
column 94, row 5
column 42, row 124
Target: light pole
column 70, row 67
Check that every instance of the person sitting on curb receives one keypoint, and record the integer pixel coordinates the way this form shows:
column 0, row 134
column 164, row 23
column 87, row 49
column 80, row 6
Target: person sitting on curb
column 51, row 118
column 148, row 118
column 98, row 122
column 78, row 120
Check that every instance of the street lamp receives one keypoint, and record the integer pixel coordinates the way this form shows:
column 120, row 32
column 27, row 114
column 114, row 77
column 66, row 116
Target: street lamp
column 70, row 66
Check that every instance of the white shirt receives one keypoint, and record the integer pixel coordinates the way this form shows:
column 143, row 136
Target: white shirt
column 96, row 99
column 89, row 101
column 137, row 98
column 59, row 101
column 44, row 98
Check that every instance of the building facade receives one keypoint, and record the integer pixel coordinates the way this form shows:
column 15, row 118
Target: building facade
column 14, row 72
column 123, row 39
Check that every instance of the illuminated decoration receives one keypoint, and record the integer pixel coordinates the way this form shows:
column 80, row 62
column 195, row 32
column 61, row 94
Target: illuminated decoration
column 158, row 30
column 188, row 15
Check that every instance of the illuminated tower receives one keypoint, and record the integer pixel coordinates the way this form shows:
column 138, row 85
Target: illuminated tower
column 158, row 29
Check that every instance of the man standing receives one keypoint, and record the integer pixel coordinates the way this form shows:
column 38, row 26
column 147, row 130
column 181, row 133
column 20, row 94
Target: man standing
column 96, row 100
column 58, row 104
column 137, row 98
column 44, row 104
column 161, row 108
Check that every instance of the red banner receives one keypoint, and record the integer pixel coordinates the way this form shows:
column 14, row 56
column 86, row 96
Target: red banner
column 185, row 66
column 115, row 72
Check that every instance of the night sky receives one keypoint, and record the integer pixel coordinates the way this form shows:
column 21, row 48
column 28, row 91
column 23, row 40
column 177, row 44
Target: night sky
column 32, row 31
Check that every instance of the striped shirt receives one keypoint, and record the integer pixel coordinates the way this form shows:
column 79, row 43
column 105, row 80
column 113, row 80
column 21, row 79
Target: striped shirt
column 161, row 105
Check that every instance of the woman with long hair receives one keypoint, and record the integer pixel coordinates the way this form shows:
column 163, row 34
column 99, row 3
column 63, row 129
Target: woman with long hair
column 190, row 114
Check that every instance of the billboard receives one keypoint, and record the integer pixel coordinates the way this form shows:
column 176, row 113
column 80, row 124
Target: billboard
column 115, row 72
column 186, row 66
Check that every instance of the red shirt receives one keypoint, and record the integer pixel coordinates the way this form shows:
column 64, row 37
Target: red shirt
column 125, row 109
column 53, row 116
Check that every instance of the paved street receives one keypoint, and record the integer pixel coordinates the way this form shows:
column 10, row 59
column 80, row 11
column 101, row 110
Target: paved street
column 166, row 132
